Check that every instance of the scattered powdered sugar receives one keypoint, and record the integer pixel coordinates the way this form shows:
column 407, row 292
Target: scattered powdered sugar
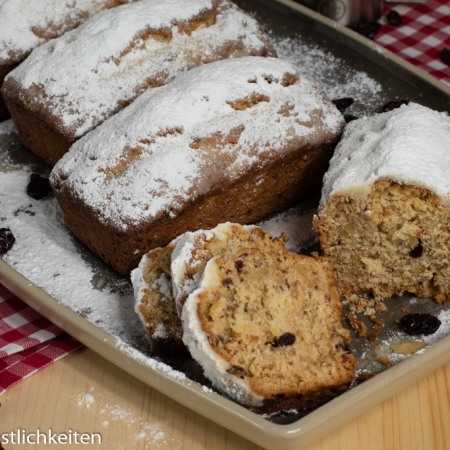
column 153, row 433
column 86, row 399
column 329, row 72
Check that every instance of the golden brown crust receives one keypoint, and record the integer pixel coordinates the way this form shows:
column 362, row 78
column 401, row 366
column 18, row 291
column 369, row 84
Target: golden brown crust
column 286, row 181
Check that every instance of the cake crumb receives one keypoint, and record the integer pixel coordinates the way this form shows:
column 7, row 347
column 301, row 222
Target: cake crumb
column 357, row 325
column 366, row 375
column 386, row 361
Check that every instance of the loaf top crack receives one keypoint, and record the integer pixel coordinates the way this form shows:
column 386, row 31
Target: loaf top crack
column 187, row 139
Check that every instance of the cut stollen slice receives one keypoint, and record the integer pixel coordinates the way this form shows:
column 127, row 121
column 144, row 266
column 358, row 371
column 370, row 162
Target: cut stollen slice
column 155, row 304
column 195, row 249
column 266, row 328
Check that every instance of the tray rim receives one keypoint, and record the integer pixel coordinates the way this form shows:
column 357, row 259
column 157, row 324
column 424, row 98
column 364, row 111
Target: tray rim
column 212, row 405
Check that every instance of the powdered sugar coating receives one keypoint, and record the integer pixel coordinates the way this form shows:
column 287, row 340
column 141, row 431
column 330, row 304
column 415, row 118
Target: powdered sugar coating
column 197, row 341
column 145, row 159
column 407, row 145
column 88, row 74
column 24, row 23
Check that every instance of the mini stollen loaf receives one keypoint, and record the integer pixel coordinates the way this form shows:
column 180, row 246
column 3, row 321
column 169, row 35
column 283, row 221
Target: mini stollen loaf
column 26, row 24
column 383, row 220
column 70, row 85
column 232, row 140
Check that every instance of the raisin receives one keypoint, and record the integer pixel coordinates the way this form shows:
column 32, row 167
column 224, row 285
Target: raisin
column 394, row 104
column 349, row 117
column 417, row 251
column 367, row 29
column 38, row 187
column 343, row 103
column 445, row 56
column 419, row 323
column 239, row 265
column 227, row 282
column 7, row 240
column 284, row 340
column 237, row 371
column 394, row 18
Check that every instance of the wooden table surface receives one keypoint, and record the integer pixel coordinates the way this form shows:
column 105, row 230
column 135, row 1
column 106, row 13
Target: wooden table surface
column 83, row 392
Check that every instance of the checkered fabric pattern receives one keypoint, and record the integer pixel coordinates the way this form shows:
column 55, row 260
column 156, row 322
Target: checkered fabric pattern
column 425, row 31
column 21, row 365
column 28, row 341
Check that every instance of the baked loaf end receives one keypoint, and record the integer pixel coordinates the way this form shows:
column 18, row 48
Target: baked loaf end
column 70, row 85
column 384, row 214
column 155, row 305
column 26, row 24
column 232, row 140
column 266, row 328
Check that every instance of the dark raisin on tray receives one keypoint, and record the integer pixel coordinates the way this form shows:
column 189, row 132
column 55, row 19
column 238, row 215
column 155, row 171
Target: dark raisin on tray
column 343, row 103
column 284, row 340
column 394, row 18
column 394, row 104
column 419, row 323
column 367, row 29
column 445, row 56
column 7, row 240
column 38, row 187
column 350, row 117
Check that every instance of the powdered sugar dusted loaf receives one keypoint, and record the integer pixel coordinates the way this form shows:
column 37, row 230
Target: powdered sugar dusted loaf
column 384, row 213
column 26, row 24
column 72, row 84
column 232, row 140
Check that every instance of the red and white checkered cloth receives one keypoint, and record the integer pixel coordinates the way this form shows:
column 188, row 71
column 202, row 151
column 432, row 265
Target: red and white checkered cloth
column 425, row 31
column 28, row 341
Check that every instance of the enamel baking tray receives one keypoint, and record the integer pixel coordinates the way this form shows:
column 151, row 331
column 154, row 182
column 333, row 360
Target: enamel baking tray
column 343, row 64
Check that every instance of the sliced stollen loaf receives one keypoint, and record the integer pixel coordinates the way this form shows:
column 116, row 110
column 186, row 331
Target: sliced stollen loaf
column 232, row 140
column 166, row 276
column 266, row 328
column 26, row 24
column 72, row 84
column 383, row 220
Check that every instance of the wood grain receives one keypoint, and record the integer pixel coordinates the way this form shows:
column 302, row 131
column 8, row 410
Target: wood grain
column 85, row 393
